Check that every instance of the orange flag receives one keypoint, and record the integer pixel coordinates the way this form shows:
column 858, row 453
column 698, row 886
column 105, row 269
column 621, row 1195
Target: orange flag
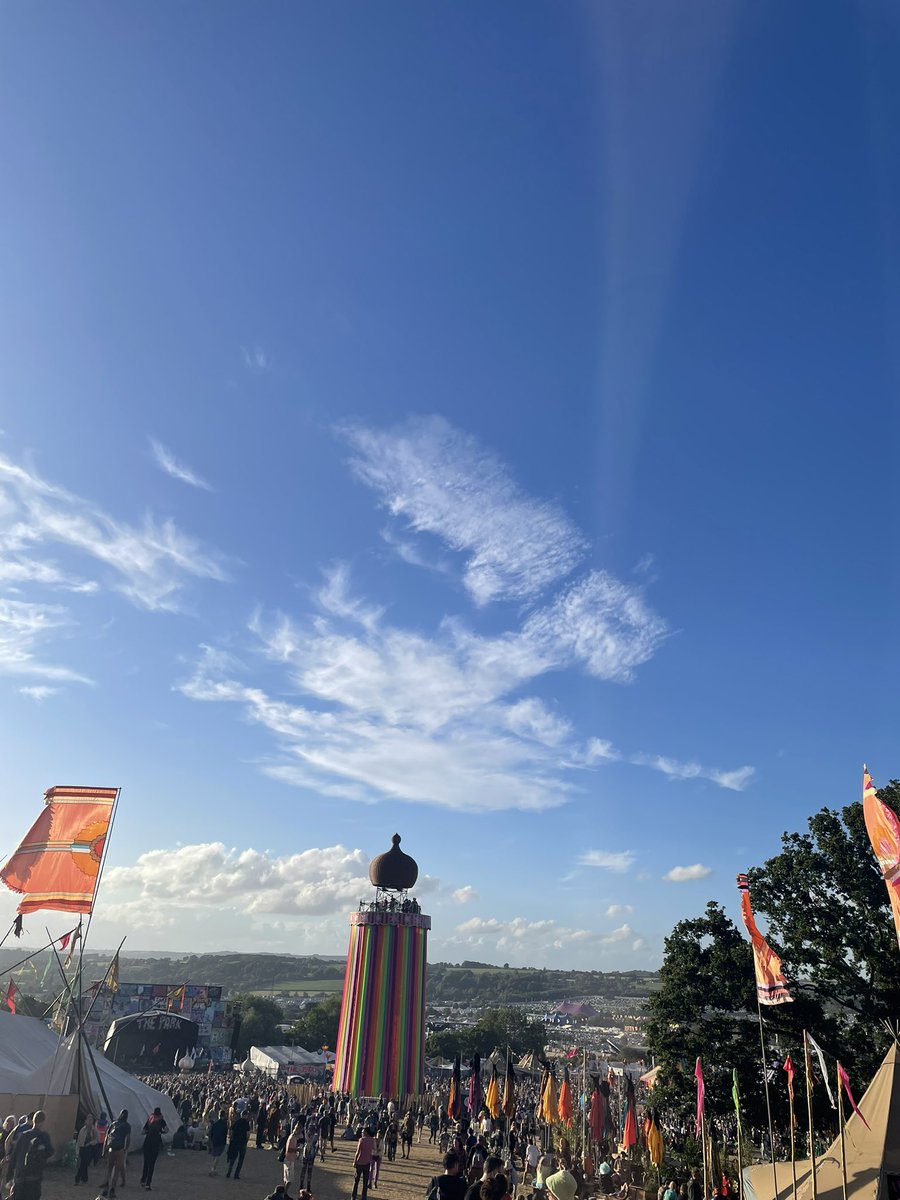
column 564, row 1105
column 771, row 987
column 883, row 829
column 57, row 864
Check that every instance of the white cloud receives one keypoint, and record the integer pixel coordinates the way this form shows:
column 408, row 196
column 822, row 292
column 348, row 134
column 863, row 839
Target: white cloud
column 210, row 875
column 526, row 943
column 255, row 359
column 735, row 780
column 39, row 691
column 601, row 623
column 167, row 462
column 619, row 910
column 148, row 564
column 532, row 719
column 686, row 874
column 465, row 895
column 608, row 860
column 443, row 482
column 24, row 626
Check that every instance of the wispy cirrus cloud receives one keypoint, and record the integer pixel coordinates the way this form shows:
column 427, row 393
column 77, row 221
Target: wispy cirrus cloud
column 167, row 462
column 443, row 716
column 25, row 627
column 148, row 563
column 608, row 860
column 443, row 482
column 39, row 692
column 688, row 874
column 255, row 359
column 599, row 750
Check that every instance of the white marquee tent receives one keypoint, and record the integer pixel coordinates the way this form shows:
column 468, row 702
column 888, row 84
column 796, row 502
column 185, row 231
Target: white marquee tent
column 38, row 1070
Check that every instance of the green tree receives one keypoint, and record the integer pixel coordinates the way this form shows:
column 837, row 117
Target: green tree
column 830, row 921
column 502, row 1027
column 317, row 1026
column 260, row 1018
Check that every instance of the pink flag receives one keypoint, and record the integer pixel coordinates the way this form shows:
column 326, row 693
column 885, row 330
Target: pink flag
column 789, row 1070
column 701, row 1095
column 845, row 1080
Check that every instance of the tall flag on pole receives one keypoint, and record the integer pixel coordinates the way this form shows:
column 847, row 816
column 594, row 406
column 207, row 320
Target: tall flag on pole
column 598, row 1111
column 57, row 864
column 112, row 975
column 509, row 1091
column 883, row 829
column 701, row 1094
column 565, row 1100
column 475, row 1097
column 771, row 987
column 845, row 1080
column 454, row 1102
column 492, row 1095
column 11, row 992
column 655, row 1147
column 629, row 1132
column 817, row 1049
column 736, row 1099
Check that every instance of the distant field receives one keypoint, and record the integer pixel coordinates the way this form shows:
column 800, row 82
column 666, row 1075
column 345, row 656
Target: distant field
column 305, row 985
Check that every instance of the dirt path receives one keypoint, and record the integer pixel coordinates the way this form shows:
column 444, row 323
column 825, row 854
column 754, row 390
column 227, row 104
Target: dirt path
column 185, row 1177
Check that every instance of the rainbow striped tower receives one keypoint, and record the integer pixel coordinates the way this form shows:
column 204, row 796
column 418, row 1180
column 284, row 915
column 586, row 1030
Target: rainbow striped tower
column 381, row 1036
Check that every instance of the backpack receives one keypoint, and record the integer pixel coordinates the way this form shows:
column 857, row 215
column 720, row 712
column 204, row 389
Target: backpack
column 34, row 1156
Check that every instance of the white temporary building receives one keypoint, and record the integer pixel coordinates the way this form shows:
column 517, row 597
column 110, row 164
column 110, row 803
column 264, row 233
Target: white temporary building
column 288, row 1060
column 40, row 1070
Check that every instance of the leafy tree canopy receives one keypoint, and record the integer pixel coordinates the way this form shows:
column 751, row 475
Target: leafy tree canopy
column 829, row 919
column 260, row 1018
column 317, row 1025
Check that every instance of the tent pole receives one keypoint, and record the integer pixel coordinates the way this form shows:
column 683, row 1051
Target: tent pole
column 841, row 1127
column 809, row 1107
column 703, row 1148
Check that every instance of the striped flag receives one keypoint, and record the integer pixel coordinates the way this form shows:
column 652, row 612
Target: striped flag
column 57, row 864
column 771, row 987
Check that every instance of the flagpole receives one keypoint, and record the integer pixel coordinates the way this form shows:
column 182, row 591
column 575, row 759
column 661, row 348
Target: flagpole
column 841, row 1127
column 762, row 1046
column 584, row 1102
column 793, row 1154
column 809, row 1107
column 703, row 1149
column 101, row 865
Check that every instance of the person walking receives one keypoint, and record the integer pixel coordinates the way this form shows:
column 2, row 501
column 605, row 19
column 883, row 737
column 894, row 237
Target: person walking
column 292, row 1149
column 237, row 1146
column 85, row 1146
column 154, row 1128
column 32, row 1150
column 118, row 1139
column 308, row 1160
column 362, row 1163
column 218, row 1139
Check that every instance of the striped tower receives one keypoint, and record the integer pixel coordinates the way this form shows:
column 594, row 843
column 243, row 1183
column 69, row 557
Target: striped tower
column 381, row 1036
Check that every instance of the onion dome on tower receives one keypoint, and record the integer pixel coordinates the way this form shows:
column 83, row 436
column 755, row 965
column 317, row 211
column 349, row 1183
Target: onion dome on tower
column 394, row 871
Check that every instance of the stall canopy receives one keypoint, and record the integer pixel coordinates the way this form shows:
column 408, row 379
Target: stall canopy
column 40, row 1070
column 873, row 1154
column 290, row 1060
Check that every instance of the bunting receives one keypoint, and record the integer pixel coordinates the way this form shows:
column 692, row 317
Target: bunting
column 57, row 864
column 883, row 829
column 771, row 987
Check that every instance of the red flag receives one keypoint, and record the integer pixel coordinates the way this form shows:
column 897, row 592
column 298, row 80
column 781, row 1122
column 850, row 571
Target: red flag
column 11, row 996
column 572, row 1053
column 564, row 1104
column 701, row 1095
column 64, row 940
column 789, row 1071
column 845, row 1080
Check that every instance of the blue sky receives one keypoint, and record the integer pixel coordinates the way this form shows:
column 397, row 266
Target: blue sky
column 475, row 420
